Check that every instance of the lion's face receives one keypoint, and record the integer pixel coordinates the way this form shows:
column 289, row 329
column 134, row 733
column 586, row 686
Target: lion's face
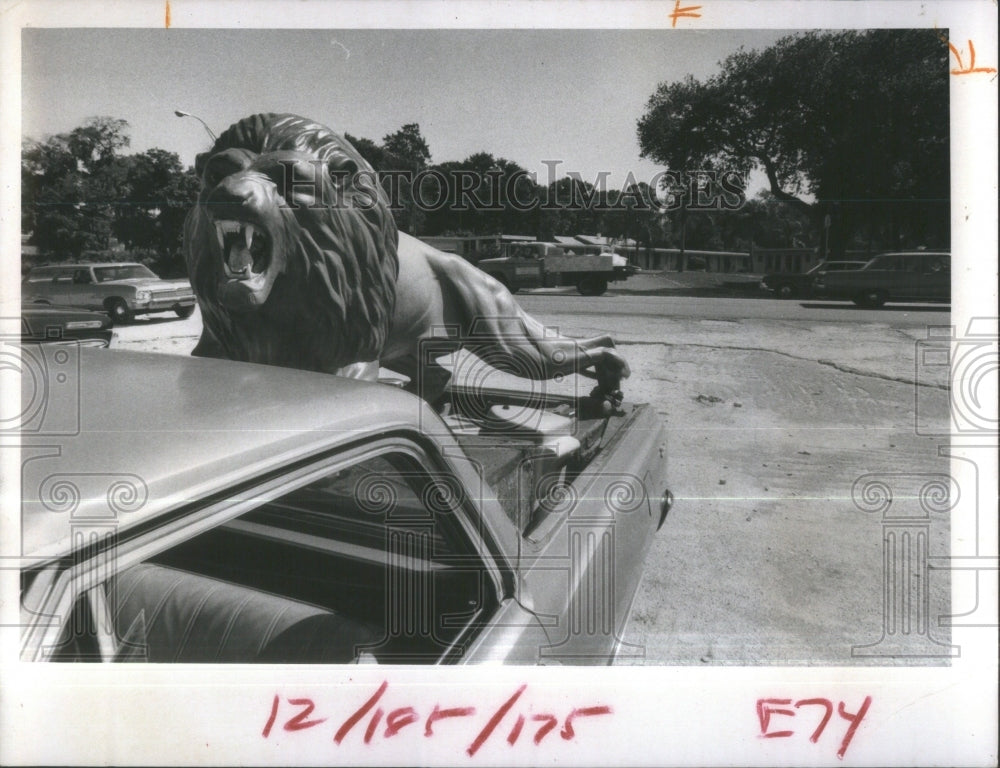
column 258, row 206
column 291, row 229
column 245, row 206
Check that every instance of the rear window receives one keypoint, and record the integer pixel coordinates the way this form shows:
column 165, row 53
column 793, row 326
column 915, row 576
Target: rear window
column 43, row 275
column 125, row 272
column 937, row 263
column 838, row 266
column 887, row 262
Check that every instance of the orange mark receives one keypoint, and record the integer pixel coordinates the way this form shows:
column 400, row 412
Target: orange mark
column 166, row 17
column 685, row 13
column 972, row 69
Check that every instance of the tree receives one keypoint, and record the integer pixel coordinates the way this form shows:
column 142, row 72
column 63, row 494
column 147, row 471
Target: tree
column 96, row 143
column 150, row 215
column 368, row 149
column 407, row 148
column 851, row 125
column 78, row 191
column 68, row 185
column 398, row 160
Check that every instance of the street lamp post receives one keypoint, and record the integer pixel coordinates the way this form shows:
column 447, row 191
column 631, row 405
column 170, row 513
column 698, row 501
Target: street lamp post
column 181, row 113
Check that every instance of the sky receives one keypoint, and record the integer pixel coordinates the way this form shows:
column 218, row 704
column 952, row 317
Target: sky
column 529, row 96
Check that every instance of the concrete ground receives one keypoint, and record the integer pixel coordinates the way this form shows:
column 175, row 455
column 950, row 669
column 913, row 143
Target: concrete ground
column 771, row 554
column 766, row 558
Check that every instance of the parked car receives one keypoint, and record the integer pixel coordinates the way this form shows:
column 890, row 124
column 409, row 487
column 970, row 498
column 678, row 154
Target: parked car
column 64, row 325
column 789, row 285
column 903, row 276
column 122, row 290
column 245, row 513
column 549, row 265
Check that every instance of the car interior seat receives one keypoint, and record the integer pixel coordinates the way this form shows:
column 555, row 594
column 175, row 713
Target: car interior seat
column 163, row 614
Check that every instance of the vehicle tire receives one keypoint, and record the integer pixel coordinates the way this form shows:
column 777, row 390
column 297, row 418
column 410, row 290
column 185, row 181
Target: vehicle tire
column 784, row 291
column 870, row 299
column 592, row 286
column 119, row 311
column 184, row 312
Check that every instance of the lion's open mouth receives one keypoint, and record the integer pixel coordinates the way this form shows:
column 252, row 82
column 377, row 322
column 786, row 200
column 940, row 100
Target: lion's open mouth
column 246, row 249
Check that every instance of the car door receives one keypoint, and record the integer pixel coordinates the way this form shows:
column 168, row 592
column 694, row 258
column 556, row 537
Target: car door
column 62, row 290
column 37, row 286
column 935, row 278
column 526, row 268
column 910, row 279
column 884, row 274
column 378, row 553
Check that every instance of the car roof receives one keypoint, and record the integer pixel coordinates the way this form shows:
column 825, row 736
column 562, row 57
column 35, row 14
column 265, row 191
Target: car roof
column 86, row 264
column 146, row 433
column 913, row 253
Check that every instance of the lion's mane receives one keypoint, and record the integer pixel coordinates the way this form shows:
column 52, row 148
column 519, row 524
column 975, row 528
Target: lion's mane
column 332, row 303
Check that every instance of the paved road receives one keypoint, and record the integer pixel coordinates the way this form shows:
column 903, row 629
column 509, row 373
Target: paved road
column 878, row 342
column 570, row 303
column 774, row 411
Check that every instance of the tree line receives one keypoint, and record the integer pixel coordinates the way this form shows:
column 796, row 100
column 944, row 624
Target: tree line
column 851, row 130
column 448, row 198
column 79, row 191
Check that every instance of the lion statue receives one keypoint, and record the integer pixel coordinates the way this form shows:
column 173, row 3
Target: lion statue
column 296, row 261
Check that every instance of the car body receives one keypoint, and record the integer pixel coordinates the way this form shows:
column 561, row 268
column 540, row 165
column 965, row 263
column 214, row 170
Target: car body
column 790, row 285
column 549, row 265
column 49, row 323
column 123, row 290
column 240, row 513
column 519, row 268
column 896, row 276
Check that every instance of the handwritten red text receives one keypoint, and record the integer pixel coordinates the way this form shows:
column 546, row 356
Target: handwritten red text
column 772, row 714
column 683, row 13
column 373, row 720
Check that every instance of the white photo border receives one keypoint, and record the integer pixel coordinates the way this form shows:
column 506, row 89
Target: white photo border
column 662, row 715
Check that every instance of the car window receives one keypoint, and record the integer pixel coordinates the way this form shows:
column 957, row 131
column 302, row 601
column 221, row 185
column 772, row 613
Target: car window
column 367, row 502
column 524, row 252
column 41, row 275
column 886, row 262
column 937, row 264
column 64, row 276
column 367, row 562
column 123, row 272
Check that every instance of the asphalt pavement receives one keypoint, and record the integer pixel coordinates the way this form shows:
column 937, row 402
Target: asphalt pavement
column 776, row 411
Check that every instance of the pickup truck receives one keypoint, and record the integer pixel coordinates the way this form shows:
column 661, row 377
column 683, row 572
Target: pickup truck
column 123, row 290
column 901, row 276
column 549, row 265
column 247, row 513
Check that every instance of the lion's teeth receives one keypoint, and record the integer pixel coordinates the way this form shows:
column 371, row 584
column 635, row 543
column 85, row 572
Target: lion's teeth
column 219, row 235
column 248, row 234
